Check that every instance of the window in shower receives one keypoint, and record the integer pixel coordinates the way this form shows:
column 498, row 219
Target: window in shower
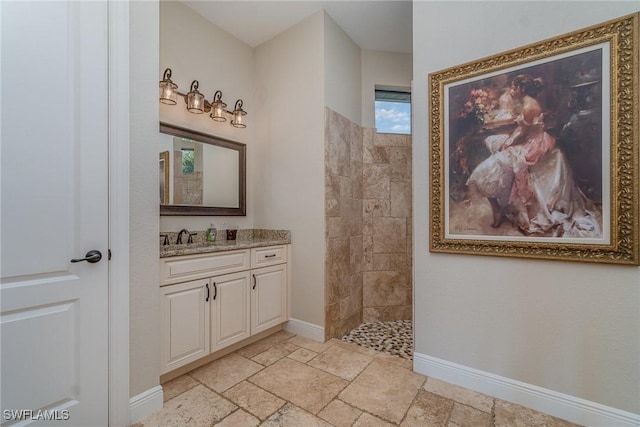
column 393, row 110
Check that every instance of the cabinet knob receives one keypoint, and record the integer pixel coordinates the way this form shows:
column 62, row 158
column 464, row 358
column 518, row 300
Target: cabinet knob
column 254, row 281
column 207, row 286
column 215, row 290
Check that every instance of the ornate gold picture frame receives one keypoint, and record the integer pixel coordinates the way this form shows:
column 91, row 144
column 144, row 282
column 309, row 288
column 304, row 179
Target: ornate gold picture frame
column 534, row 151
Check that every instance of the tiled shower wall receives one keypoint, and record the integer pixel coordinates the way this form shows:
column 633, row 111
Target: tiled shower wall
column 387, row 222
column 368, row 226
column 344, row 218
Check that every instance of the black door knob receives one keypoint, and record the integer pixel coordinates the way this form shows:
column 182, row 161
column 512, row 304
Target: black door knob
column 91, row 256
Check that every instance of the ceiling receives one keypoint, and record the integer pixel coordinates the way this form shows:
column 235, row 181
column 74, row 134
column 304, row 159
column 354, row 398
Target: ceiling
column 371, row 24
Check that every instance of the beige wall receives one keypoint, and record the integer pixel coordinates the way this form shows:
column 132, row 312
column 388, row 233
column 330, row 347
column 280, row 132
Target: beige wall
column 289, row 143
column 342, row 73
column 144, row 309
column 568, row 327
column 195, row 49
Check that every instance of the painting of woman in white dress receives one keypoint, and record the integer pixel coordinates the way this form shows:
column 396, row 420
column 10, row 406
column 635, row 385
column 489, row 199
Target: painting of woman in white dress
column 526, row 152
column 534, row 151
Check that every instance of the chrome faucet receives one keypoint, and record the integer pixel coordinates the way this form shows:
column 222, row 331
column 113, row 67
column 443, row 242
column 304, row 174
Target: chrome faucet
column 179, row 240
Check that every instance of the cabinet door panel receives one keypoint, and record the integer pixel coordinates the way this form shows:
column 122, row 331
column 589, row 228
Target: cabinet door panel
column 268, row 299
column 185, row 317
column 230, row 319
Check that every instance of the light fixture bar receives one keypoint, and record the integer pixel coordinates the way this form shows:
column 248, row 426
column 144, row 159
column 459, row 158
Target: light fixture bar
column 197, row 103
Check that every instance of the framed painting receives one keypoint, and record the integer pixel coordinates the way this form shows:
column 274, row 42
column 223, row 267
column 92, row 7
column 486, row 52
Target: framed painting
column 534, row 151
column 164, row 177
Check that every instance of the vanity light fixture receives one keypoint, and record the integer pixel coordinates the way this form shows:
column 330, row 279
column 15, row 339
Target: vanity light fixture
column 168, row 89
column 238, row 114
column 218, row 108
column 195, row 100
column 197, row 104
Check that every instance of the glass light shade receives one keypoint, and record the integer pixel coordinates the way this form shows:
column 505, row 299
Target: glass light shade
column 218, row 111
column 218, row 108
column 168, row 93
column 238, row 114
column 237, row 119
column 195, row 100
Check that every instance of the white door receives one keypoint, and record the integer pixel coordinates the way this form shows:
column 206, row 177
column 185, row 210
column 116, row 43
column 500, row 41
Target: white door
column 54, row 208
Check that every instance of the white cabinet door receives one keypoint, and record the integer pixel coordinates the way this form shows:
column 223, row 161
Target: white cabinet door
column 54, row 313
column 230, row 319
column 268, row 297
column 185, row 321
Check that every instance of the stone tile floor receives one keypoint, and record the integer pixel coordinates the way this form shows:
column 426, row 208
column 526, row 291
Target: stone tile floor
column 288, row 380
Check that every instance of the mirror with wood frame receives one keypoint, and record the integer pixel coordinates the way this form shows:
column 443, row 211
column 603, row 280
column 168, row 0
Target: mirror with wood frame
column 201, row 174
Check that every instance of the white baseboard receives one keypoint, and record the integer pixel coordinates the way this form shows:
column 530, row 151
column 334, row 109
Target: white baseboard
column 145, row 404
column 305, row 329
column 559, row 405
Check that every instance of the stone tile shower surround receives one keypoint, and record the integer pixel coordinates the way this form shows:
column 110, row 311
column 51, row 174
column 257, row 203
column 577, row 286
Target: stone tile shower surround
column 344, row 257
column 368, row 226
column 387, row 227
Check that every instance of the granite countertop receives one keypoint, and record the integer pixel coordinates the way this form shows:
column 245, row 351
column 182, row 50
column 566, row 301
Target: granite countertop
column 246, row 239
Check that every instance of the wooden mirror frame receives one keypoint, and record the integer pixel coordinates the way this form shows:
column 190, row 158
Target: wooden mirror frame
column 185, row 210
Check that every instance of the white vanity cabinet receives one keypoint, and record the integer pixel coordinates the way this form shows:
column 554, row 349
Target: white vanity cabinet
column 233, row 295
column 269, row 287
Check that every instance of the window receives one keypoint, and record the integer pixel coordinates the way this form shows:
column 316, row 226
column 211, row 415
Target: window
column 393, row 111
column 188, row 160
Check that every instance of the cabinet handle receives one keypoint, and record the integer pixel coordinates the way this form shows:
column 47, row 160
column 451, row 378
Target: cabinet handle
column 207, row 286
column 254, row 281
column 270, row 256
column 215, row 290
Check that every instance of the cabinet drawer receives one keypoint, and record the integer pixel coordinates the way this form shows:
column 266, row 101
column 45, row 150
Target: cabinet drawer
column 191, row 267
column 271, row 255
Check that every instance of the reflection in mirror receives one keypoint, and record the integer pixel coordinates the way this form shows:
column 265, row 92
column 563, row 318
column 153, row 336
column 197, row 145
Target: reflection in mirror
column 200, row 174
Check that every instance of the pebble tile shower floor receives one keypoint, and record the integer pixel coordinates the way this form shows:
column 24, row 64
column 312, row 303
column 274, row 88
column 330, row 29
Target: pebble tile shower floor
column 394, row 338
